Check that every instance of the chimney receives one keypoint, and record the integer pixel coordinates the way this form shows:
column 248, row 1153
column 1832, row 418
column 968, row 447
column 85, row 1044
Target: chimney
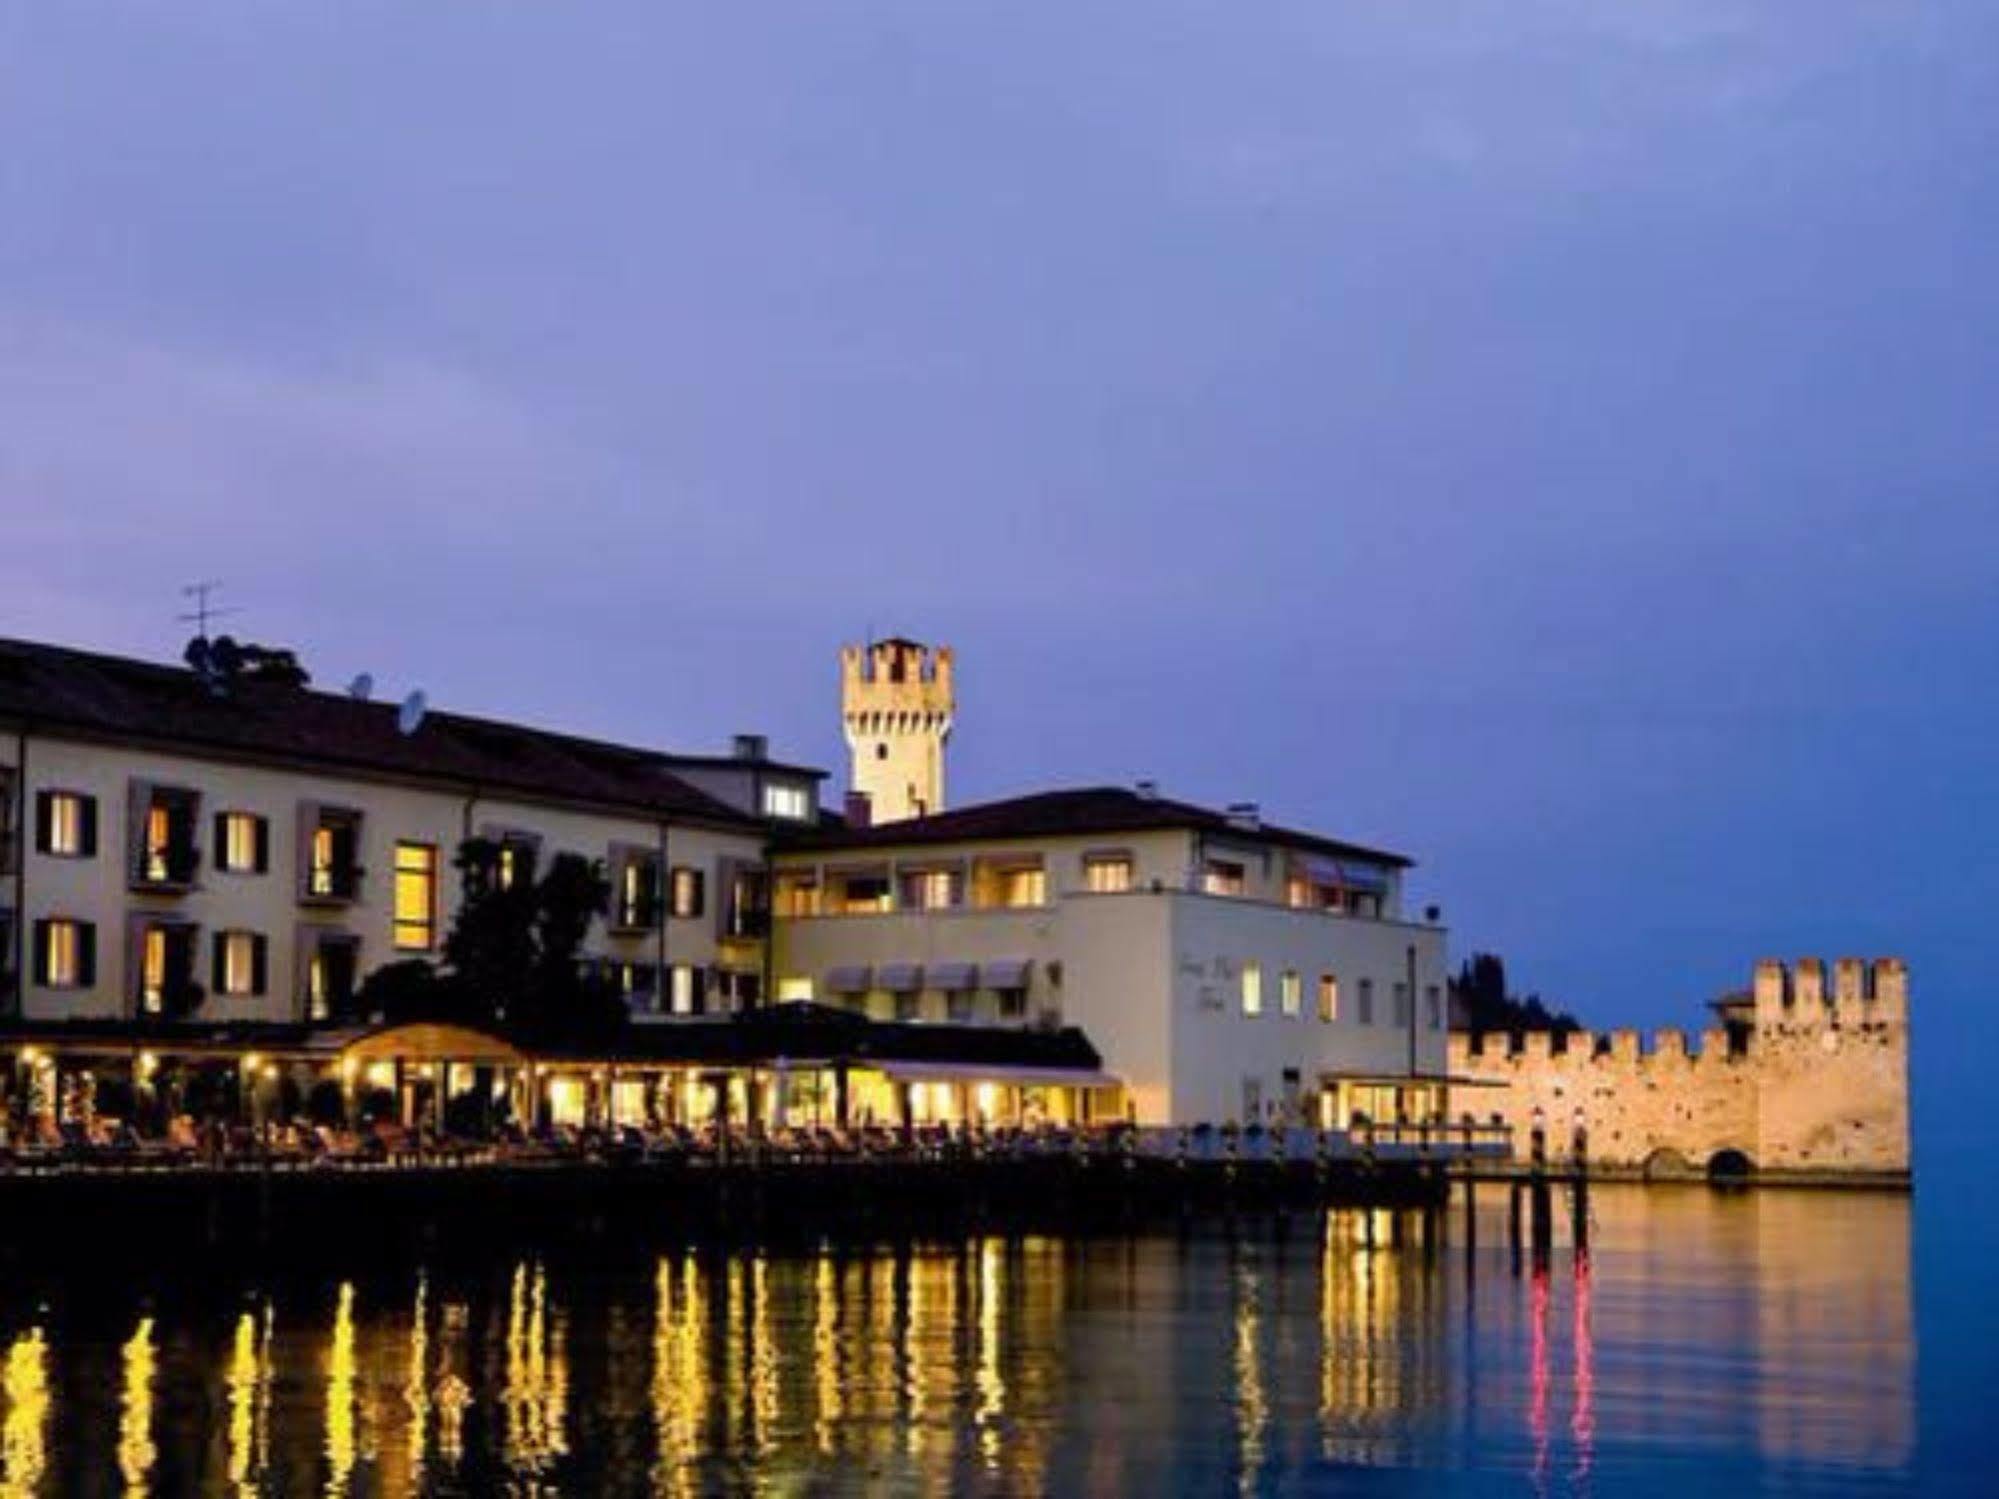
column 752, row 747
column 1245, row 815
column 860, row 810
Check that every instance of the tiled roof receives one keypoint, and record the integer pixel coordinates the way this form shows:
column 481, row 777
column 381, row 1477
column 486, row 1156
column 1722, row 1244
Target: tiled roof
column 113, row 697
column 1084, row 811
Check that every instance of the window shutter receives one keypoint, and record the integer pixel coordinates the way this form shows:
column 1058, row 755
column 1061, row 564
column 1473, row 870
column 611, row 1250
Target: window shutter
column 262, row 839
column 699, row 894
column 45, row 821
column 89, row 821
column 308, row 822
column 86, row 954
column 258, row 968
column 218, row 962
column 219, row 859
column 42, row 947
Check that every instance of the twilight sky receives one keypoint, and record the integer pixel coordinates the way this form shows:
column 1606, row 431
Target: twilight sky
column 1557, row 439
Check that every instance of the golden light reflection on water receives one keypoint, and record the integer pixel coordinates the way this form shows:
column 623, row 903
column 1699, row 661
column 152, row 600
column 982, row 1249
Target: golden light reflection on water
column 136, row 1452
column 24, row 1430
column 1212, row 1359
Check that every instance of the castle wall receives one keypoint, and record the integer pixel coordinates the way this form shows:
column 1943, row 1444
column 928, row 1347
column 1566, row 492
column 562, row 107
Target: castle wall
column 1819, row 1083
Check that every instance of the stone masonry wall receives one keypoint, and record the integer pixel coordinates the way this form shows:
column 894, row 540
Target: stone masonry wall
column 1818, row 1083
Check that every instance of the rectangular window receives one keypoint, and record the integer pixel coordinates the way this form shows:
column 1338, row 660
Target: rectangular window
column 239, row 964
column 636, row 900
column 931, row 889
column 65, row 953
column 690, row 890
column 794, row 990
column 1026, row 885
column 1012, row 1004
column 330, row 840
column 1252, row 988
column 1401, row 1003
column 1222, row 877
column 797, row 895
column 1329, row 997
column 242, row 843
column 1367, row 1001
column 332, row 973
column 637, row 984
column 1107, row 874
column 1290, row 993
column 863, row 894
column 66, row 824
column 161, row 835
column 681, row 996
column 1433, row 1003
column 165, row 959
column 416, row 897
column 513, row 865
column 791, row 802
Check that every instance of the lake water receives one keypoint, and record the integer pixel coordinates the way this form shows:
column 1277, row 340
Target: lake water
column 1730, row 1341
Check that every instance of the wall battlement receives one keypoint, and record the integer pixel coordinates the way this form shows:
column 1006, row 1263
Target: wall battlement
column 1801, row 1076
column 897, row 703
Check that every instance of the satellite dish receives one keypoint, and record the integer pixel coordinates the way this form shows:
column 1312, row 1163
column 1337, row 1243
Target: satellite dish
column 361, row 688
column 410, row 716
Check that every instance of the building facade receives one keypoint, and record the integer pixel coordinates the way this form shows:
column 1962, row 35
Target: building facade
column 1225, row 968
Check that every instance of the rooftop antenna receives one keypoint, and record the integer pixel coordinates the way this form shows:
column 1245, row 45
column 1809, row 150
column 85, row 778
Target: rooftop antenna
column 409, row 717
column 203, row 611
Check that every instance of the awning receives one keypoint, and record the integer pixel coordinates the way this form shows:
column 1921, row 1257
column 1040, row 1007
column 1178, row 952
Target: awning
column 973, row 1072
column 899, row 978
column 848, row 978
column 953, row 977
column 1005, row 973
column 423, row 1041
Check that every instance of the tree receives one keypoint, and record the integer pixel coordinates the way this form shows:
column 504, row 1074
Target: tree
column 562, row 996
column 1480, row 1001
column 491, row 948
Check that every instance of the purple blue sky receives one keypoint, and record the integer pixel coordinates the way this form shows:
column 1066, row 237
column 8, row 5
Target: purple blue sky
column 1557, row 439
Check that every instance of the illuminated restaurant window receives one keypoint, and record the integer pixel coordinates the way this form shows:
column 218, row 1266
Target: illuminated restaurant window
column 242, row 843
column 1329, row 997
column 66, row 824
column 65, row 953
column 416, row 896
column 1107, row 874
column 1290, row 993
column 1252, row 988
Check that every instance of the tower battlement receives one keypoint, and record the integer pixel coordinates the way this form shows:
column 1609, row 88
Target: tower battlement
column 898, row 701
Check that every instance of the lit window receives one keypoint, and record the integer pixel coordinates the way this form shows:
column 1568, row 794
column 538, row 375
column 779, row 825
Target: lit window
column 680, row 994
column 794, row 990
column 792, row 802
column 1298, row 892
column 333, row 844
column 68, row 824
column 1222, row 877
column 930, row 889
column 863, row 894
column 330, row 977
column 797, row 895
column 1290, row 993
column 1107, row 874
column 1023, row 886
column 638, row 892
column 239, row 964
column 66, row 954
column 242, row 843
column 1252, row 988
column 1329, row 997
column 689, row 890
column 416, row 896
column 153, row 972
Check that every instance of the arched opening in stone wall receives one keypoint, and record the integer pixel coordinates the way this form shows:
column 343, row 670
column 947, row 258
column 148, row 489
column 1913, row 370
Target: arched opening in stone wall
column 1729, row 1166
column 1666, row 1165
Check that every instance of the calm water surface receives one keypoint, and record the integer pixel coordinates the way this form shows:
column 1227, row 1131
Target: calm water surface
column 1726, row 1342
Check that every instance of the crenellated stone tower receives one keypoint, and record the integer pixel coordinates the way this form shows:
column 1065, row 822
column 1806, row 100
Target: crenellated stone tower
column 896, row 703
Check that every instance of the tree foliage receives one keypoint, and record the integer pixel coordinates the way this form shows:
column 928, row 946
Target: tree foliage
column 1481, row 1001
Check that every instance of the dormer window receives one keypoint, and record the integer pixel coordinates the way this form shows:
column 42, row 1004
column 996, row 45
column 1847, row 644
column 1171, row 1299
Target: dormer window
column 787, row 800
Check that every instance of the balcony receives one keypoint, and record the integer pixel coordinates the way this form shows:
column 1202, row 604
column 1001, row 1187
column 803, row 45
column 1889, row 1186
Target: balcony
column 162, row 856
column 329, row 844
